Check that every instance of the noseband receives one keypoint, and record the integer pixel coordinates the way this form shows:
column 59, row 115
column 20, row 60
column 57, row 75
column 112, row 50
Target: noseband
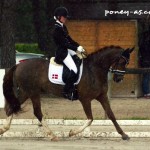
column 117, row 71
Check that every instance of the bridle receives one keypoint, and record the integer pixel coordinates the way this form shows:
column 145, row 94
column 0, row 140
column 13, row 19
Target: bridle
column 117, row 71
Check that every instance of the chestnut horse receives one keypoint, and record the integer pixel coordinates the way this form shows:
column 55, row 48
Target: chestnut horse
column 30, row 78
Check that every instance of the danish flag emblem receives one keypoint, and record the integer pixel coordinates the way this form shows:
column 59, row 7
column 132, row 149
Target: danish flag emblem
column 54, row 76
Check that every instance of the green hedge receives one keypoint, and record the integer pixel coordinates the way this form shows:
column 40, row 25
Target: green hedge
column 28, row 48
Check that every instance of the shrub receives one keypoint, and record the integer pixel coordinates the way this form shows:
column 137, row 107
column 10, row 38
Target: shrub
column 28, row 48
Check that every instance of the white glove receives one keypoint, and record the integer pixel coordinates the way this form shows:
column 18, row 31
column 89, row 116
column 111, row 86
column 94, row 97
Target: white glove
column 80, row 49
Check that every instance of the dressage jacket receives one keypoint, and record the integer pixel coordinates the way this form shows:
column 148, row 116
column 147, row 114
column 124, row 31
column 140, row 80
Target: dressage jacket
column 63, row 42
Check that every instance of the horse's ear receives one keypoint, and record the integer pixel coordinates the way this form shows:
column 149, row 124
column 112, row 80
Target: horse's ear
column 129, row 50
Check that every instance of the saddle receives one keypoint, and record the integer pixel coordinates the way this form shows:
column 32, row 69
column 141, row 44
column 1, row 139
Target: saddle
column 58, row 73
column 66, row 71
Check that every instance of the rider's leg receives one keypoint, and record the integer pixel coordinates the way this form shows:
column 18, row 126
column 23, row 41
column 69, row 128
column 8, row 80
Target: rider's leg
column 68, row 61
column 69, row 87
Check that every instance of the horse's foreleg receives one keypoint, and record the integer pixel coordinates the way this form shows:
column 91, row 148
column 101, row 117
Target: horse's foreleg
column 38, row 113
column 88, row 112
column 105, row 104
column 79, row 130
column 6, row 127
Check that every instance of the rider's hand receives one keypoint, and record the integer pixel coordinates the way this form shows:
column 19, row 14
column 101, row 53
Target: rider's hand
column 80, row 49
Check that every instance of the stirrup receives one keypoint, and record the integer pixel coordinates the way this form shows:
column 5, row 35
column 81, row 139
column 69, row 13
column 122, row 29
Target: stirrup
column 72, row 95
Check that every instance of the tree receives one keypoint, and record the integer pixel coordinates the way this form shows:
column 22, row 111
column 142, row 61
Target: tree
column 40, row 20
column 43, row 22
column 7, row 32
column 39, row 24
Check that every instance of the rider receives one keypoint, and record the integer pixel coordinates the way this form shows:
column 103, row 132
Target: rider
column 66, row 47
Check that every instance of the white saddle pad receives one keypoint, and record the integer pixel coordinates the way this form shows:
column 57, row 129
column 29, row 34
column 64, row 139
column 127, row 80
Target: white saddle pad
column 56, row 70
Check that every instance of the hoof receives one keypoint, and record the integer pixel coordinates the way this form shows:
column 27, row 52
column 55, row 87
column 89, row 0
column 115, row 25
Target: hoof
column 40, row 124
column 125, row 137
column 71, row 133
column 55, row 139
column 1, row 131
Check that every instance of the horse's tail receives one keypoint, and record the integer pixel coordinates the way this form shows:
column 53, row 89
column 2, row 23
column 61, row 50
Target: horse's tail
column 12, row 104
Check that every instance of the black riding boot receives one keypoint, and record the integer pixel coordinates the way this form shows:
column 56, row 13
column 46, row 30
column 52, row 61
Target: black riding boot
column 70, row 90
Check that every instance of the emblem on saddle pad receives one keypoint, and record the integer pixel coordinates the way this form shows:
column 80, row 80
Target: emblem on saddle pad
column 55, row 73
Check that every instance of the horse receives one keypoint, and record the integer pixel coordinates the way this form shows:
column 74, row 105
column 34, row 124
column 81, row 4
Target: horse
column 30, row 78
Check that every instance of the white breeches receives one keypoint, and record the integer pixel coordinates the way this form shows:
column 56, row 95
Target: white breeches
column 71, row 52
column 68, row 61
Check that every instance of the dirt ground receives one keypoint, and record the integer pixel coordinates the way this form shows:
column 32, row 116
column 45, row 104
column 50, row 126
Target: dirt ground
column 123, row 108
column 59, row 108
column 75, row 144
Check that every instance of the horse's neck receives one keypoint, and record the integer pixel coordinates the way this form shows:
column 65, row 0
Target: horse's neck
column 103, row 60
column 96, row 66
column 93, row 74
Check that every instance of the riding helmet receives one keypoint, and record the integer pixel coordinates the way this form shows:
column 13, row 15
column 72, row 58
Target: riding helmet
column 61, row 11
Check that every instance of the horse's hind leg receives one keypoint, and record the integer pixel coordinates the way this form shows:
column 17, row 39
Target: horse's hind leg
column 105, row 103
column 38, row 113
column 7, row 125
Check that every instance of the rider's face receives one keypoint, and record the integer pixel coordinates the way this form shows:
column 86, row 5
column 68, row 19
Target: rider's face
column 63, row 19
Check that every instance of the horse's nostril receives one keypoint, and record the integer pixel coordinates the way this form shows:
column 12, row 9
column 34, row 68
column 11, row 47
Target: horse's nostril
column 118, row 79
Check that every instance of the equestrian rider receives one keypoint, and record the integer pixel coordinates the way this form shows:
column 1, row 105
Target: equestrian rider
column 66, row 47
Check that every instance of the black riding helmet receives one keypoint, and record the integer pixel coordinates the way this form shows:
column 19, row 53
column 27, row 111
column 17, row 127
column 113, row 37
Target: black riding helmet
column 61, row 11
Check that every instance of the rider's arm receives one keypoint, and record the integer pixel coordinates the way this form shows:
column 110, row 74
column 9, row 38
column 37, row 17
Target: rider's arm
column 64, row 41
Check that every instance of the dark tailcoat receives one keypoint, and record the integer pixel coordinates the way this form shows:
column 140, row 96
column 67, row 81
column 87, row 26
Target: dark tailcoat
column 63, row 42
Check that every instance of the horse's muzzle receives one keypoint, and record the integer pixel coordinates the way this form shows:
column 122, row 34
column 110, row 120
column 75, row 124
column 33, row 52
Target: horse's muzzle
column 118, row 78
